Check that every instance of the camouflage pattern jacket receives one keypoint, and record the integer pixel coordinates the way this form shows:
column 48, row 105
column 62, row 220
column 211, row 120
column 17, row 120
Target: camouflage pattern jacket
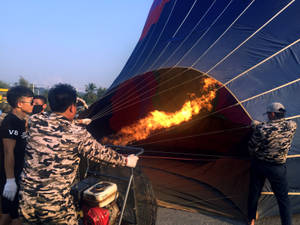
column 52, row 154
column 272, row 140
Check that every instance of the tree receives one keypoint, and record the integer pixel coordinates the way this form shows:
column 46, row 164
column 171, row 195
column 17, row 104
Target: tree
column 90, row 88
column 23, row 82
column 90, row 95
column 100, row 92
column 4, row 85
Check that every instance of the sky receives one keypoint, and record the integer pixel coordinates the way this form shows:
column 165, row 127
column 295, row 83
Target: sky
column 68, row 41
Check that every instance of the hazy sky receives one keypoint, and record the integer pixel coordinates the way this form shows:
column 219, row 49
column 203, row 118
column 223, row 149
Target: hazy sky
column 70, row 41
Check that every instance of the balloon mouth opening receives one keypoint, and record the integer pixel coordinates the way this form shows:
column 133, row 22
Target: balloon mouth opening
column 178, row 107
column 189, row 157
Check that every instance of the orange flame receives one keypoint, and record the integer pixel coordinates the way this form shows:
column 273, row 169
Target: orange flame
column 158, row 119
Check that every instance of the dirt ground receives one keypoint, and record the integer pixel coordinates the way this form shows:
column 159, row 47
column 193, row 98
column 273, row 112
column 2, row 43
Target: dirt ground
column 177, row 217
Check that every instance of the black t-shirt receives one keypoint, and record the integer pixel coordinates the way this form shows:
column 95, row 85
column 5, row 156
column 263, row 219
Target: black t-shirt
column 13, row 128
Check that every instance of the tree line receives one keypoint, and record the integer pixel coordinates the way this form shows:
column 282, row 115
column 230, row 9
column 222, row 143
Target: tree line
column 91, row 94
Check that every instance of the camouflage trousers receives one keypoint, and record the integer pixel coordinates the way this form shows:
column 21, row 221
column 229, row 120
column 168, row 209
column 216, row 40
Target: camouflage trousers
column 47, row 209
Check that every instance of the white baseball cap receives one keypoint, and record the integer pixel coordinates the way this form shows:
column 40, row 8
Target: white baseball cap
column 276, row 107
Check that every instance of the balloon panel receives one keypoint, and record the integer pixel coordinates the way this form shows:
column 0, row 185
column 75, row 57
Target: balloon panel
column 232, row 58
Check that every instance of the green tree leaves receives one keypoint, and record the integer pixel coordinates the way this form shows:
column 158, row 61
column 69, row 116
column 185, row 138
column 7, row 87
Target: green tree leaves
column 92, row 93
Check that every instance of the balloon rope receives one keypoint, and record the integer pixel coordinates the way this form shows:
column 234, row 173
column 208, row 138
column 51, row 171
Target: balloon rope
column 205, row 134
column 136, row 61
column 255, row 66
column 141, row 53
column 212, row 68
column 157, row 39
column 216, row 41
column 293, row 117
column 126, row 103
column 190, row 136
column 245, row 100
column 113, row 89
column 208, row 29
column 192, row 31
column 133, row 68
column 272, row 193
column 293, row 156
column 117, row 102
column 278, row 13
column 120, row 102
column 247, row 39
column 261, row 62
column 213, row 200
column 208, row 157
column 106, row 112
column 173, row 36
column 188, row 36
column 199, row 40
column 271, row 90
column 230, row 106
column 226, row 31
column 183, row 154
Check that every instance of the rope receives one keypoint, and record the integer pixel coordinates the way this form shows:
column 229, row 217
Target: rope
column 246, row 71
column 209, row 8
column 247, row 39
column 261, row 62
column 146, row 98
column 272, row 90
column 192, row 136
column 228, row 107
column 145, row 92
column 216, row 41
column 226, row 31
column 137, row 60
column 131, row 100
column 149, row 54
column 176, row 31
column 272, row 193
column 204, row 33
column 121, row 98
column 173, row 36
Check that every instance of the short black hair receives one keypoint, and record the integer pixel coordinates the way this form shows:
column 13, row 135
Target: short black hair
column 42, row 97
column 61, row 96
column 15, row 93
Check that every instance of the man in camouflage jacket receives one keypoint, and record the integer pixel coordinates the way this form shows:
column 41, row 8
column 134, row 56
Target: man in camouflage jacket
column 52, row 159
column 269, row 145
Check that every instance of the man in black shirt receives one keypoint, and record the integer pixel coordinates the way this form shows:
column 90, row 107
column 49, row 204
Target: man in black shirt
column 12, row 146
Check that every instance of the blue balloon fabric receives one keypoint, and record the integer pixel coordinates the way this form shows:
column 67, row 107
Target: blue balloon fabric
column 252, row 49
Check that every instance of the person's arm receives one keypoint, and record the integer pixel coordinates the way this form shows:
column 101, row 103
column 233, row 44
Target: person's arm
column 255, row 140
column 93, row 150
column 10, row 187
column 9, row 159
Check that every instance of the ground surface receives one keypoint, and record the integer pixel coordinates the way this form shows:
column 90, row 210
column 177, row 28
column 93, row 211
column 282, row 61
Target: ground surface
column 177, row 217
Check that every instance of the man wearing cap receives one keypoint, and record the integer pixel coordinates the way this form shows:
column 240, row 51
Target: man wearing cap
column 269, row 146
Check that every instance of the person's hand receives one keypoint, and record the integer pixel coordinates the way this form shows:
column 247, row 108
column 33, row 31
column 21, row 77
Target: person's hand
column 132, row 161
column 84, row 121
column 10, row 189
column 255, row 123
